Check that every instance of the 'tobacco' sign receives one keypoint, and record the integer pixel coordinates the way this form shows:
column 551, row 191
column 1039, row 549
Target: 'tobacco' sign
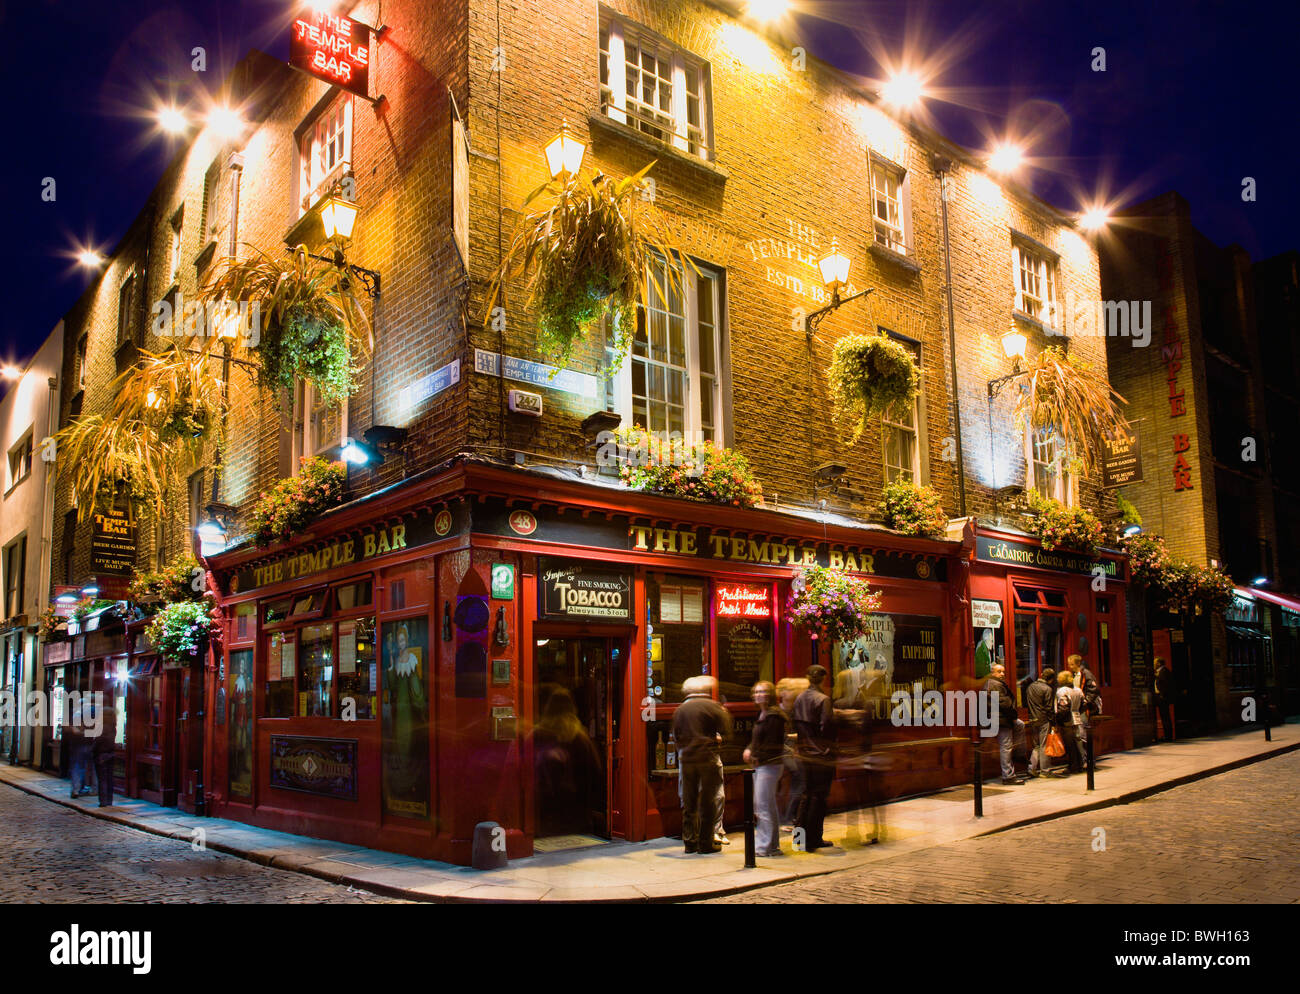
column 334, row 48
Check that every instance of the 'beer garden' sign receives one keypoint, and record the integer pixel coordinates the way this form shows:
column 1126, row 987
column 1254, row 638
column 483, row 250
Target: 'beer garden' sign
column 334, row 48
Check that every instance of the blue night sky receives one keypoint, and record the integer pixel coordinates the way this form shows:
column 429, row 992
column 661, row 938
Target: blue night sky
column 1195, row 96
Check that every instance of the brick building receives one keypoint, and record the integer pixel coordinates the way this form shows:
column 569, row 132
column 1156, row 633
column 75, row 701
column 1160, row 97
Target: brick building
column 445, row 568
column 1212, row 394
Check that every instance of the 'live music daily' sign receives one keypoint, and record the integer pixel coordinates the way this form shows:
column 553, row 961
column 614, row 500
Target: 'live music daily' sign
column 332, row 47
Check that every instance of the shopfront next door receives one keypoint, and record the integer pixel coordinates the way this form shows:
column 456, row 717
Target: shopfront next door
column 576, row 745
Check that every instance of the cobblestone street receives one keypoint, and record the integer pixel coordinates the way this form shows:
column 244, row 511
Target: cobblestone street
column 1231, row 838
column 54, row 855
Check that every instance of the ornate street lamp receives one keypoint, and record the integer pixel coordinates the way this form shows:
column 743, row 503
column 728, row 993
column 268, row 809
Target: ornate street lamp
column 835, row 274
column 564, row 154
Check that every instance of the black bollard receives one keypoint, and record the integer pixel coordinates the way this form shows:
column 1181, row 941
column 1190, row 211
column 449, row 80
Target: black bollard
column 1263, row 715
column 1091, row 766
column 748, row 778
column 977, row 778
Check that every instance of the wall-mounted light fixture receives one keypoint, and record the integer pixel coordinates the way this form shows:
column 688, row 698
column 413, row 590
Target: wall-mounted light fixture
column 502, row 634
column 564, row 154
column 835, row 274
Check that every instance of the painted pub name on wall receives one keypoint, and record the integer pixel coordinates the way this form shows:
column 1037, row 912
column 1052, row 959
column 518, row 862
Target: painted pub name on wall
column 803, row 244
column 1172, row 353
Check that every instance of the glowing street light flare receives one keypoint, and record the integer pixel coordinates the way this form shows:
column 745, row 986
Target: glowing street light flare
column 225, row 123
column 768, row 10
column 10, row 372
column 172, row 120
column 90, row 259
column 1094, row 219
column 1006, row 158
column 903, row 89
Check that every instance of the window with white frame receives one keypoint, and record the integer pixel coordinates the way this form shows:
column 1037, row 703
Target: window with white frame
column 888, row 205
column 672, row 378
column 901, row 437
column 653, row 86
column 20, row 462
column 83, row 347
column 15, row 567
column 317, row 426
column 126, row 308
column 1045, row 458
column 1035, row 276
column 325, row 151
column 208, row 216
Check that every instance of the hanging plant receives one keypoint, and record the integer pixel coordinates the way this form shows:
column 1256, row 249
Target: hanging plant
column 871, row 375
column 50, row 624
column 1068, row 397
column 832, row 603
column 180, row 630
column 913, row 510
column 180, row 580
column 1148, row 559
column 312, row 325
column 698, row 471
column 292, row 504
column 1061, row 527
column 588, row 253
column 1128, row 514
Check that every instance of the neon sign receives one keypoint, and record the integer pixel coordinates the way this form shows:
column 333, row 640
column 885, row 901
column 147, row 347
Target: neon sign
column 744, row 602
column 334, row 48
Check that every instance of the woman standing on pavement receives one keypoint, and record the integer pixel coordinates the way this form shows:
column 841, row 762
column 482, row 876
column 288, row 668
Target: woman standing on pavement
column 1069, row 702
column 788, row 690
column 766, row 753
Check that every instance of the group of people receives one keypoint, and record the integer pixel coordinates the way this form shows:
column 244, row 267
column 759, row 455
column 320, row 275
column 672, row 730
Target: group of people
column 794, row 731
column 1063, row 702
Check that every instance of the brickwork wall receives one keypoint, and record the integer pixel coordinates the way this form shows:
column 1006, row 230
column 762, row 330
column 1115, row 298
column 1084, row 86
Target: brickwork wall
column 791, row 172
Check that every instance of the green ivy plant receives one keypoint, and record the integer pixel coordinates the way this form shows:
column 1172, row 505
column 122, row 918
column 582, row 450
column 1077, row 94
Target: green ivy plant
column 871, row 375
column 1128, row 514
column 179, row 580
column 913, row 510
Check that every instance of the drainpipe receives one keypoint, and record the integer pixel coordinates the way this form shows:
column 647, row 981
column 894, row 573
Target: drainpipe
column 943, row 166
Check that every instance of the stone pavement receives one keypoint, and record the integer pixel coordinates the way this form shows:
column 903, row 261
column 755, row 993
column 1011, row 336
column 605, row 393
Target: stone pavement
column 1230, row 839
column 658, row 870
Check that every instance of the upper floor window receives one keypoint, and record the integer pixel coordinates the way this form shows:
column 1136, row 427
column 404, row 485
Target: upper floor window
column 317, row 427
column 20, row 462
column 901, row 437
column 15, row 567
column 671, row 381
column 654, row 86
column 1035, row 276
column 888, row 205
column 175, row 264
column 83, row 347
column 126, row 297
column 325, row 151
column 1045, row 457
column 208, row 216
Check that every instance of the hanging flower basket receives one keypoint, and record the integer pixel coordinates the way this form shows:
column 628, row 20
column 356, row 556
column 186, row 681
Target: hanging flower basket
column 180, row 580
column 292, row 504
column 831, row 603
column 1061, row 527
column 587, row 254
column 180, row 630
column 697, row 471
column 871, row 375
column 1179, row 584
column 913, row 510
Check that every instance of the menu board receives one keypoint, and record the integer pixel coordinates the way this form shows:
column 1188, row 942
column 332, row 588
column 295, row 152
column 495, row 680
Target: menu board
column 288, row 659
column 681, row 605
column 347, row 647
column 744, row 655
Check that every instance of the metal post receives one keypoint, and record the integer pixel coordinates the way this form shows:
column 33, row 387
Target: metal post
column 1263, row 715
column 977, row 778
column 748, row 779
column 1091, row 766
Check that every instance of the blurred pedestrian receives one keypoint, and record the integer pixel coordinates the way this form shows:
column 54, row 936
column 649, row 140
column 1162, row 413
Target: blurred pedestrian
column 766, row 752
column 105, row 751
column 788, row 691
column 1040, row 704
column 79, row 746
column 699, row 726
column 1010, row 728
column 1164, row 688
column 1069, row 719
column 815, row 727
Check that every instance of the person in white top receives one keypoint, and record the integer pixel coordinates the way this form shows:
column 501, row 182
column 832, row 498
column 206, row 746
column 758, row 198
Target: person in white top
column 1069, row 718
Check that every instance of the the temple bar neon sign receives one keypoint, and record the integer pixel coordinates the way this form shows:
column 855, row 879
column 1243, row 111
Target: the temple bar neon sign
column 334, row 48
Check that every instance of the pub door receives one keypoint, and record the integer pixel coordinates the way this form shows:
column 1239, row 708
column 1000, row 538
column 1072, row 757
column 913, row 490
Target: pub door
column 188, row 741
column 577, row 749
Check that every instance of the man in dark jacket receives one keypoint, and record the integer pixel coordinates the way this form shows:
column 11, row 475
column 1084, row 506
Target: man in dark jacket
column 815, row 752
column 699, row 725
column 1164, row 687
column 1085, row 681
column 1040, row 701
column 105, row 751
column 1010, row 728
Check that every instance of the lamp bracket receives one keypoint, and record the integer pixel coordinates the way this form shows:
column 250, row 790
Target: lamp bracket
column 368, row 277
column 996, row 385
column 811, row 321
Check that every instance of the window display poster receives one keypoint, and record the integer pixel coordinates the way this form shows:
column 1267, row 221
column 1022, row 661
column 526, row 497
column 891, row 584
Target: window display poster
column 273, row 658
column 240, row 742
column 990, row 648
column 288, row 659
column 899, row 651
column 347, row 646
column 405, row 704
